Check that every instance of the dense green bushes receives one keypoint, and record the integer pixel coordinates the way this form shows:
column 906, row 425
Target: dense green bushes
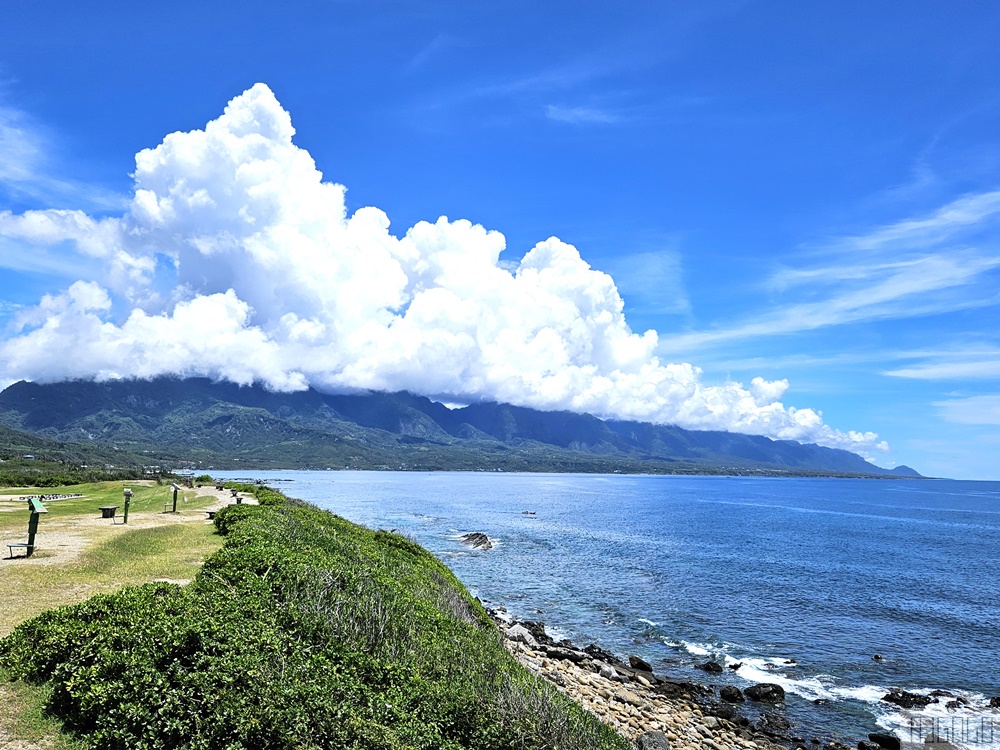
column 304, row 631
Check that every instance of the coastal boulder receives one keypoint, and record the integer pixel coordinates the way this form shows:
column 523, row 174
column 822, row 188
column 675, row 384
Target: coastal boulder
column 995, row 702
column 712, row 667
column 537, row 629
column 565, row 654
column 904, row 699
column 477, row 540
column 653, row 741
column 773, row 724
column 520, row 634
column 675, row 689
column 765, row 692
column 885, row 741
column 938, row 743
column 731, row 694
column 599, row 654
column 638, row 663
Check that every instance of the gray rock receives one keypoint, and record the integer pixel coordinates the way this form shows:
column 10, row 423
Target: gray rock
column 520, row 634
column 477, row 540
column 995, row 702
column 608, row 672
column 653, row 740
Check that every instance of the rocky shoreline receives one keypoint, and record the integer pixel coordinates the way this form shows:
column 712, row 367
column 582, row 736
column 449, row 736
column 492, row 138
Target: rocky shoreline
column 655, row 713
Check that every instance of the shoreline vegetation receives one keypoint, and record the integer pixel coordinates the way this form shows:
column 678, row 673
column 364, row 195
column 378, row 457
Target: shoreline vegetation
column 303, row 630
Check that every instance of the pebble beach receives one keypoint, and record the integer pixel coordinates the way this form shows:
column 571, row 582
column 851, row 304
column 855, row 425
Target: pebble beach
column 652, row 712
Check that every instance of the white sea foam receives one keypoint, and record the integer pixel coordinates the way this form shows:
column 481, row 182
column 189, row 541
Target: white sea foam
column 768, row 670
column 649, row 622
column 970, row 725
column 695, row 649
column 974, row 725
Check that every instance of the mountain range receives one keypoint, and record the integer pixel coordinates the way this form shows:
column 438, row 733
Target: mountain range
column 196, row 422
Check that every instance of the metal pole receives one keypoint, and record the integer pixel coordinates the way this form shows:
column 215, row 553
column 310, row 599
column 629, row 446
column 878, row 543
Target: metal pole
column 128, row 499
column 176, row 490
column 36, row 508
column 32, row 530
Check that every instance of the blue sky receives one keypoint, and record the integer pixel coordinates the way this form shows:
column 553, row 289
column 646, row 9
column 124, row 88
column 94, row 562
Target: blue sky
column 780, row 192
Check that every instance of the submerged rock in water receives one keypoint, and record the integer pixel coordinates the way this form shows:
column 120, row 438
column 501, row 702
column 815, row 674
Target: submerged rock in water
column 904, row 699
column 765, row 692
column 711, row 666
column 773, row 724
column 731, row 694
column 885, row 741
column 477, row 540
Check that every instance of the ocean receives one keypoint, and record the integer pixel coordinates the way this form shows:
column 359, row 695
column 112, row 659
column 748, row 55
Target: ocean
column 800, row 582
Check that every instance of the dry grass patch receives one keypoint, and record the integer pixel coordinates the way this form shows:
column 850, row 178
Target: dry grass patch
column 79, row 554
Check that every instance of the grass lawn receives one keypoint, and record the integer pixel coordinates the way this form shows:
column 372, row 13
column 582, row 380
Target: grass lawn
column 79, row 554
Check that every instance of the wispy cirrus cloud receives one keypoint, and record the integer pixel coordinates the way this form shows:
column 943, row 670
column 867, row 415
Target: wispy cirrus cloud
column 581, row 115
column 927, row 285
column 983, row 410
column 969, row 212
column 652, row 281
column 26, row 170
column 907, row 269
column 959, row 363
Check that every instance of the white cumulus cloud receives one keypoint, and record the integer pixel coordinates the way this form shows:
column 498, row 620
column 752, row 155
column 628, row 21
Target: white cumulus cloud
column 271, row 281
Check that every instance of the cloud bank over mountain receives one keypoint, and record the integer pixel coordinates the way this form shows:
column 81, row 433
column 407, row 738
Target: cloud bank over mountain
column 236, row 261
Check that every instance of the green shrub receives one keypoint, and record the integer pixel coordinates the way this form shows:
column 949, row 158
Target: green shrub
column 303, row 631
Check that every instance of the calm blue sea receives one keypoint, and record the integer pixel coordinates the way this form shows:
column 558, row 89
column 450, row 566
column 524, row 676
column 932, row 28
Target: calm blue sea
column 801, row 581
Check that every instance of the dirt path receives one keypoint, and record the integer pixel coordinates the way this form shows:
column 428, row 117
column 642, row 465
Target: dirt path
column 66, row 538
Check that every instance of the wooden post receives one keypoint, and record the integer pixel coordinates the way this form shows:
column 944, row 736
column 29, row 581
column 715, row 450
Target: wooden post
column 128, row 499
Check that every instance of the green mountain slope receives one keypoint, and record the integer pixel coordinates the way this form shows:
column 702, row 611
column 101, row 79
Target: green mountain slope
column 225, row 425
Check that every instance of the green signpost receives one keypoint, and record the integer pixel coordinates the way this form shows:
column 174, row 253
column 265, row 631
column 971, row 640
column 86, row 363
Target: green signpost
column 176, row 490
column 36, row 508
